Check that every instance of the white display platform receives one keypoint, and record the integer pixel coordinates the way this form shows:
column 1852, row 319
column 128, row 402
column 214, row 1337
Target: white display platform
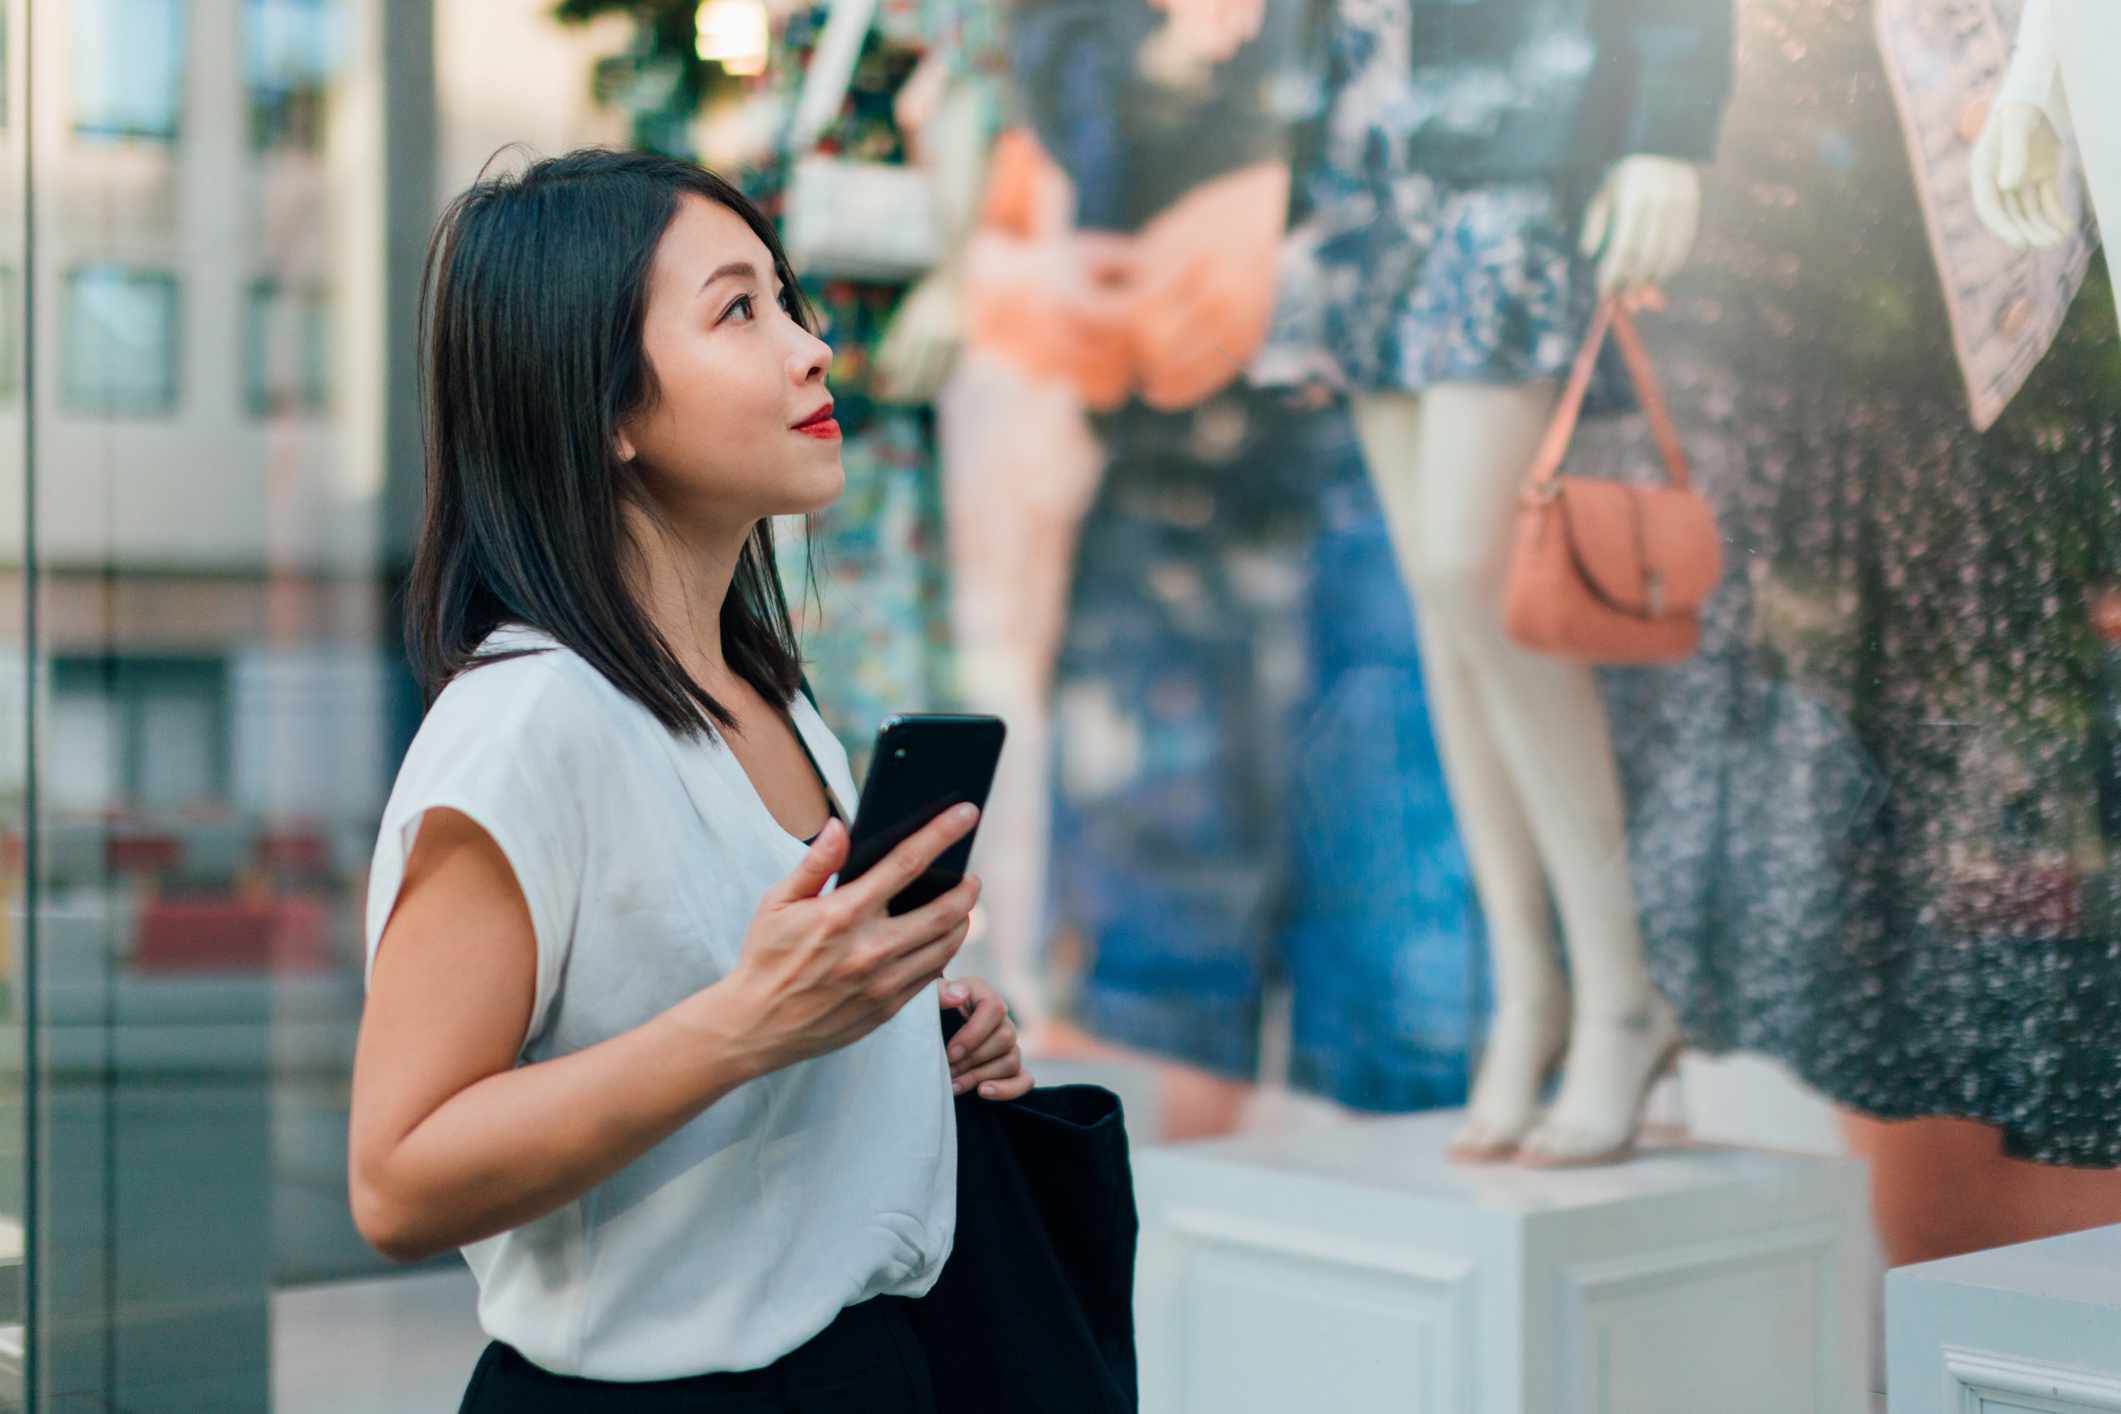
column 2035, row 1327
column 1354, row 1269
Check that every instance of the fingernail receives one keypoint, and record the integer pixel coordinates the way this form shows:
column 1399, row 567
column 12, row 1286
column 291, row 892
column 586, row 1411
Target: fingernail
column 957, row 1053
column 987, row 1091
column 957, row 1087
column 953, row 995
column 967, row 811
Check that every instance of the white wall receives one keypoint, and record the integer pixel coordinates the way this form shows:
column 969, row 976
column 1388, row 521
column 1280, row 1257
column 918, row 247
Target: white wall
column 505, row 72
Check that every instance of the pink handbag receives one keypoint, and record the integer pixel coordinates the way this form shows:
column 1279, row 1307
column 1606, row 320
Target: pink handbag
column 1603, row 571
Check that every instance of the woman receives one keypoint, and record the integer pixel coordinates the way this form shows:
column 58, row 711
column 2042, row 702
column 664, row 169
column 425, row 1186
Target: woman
column 671, row 1097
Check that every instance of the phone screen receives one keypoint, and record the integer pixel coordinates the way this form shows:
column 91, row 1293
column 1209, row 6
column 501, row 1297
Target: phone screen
column 923, row 764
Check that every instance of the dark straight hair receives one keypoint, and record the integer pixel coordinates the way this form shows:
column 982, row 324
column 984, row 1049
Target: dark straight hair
column 532, row 306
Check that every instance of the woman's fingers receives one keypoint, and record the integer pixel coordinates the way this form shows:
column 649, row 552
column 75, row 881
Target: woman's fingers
column 1005, row 1079
column 907, row 977
column 986, row 1035
column 999, row 1046
column 815, row 869
column 934, row 918
column 909, row 859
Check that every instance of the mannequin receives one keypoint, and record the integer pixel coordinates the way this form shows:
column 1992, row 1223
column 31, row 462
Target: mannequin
column 1456, row 269
column 2055, row 90
column 1524, row 738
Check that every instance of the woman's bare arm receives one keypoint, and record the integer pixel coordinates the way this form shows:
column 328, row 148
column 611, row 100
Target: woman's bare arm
column 450, row 1142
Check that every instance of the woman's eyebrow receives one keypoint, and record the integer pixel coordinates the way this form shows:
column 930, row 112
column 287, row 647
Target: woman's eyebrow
column 735, row 267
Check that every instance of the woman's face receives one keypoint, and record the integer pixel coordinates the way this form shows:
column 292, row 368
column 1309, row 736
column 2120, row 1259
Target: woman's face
column 735, row 435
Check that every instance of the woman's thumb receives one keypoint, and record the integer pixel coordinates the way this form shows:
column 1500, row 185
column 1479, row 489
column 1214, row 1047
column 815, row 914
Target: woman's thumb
column 826, row 854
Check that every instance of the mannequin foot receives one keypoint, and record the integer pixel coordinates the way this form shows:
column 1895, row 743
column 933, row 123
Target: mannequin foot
column 1525, row 1043
column 1605, row 1083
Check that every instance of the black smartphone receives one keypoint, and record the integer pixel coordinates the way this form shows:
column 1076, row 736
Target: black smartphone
column 924, row 763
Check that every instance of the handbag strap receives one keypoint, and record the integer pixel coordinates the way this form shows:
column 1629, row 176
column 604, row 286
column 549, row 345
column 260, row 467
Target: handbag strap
column 830, row 72
column 1614, row 314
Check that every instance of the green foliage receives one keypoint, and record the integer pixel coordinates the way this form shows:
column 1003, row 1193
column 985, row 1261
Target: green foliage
column 659, row 81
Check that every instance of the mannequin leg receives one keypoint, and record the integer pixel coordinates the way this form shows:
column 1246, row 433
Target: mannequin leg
column 1019, row 468
column 1531, row 1014
column 1550, row 725
column 1547, row 724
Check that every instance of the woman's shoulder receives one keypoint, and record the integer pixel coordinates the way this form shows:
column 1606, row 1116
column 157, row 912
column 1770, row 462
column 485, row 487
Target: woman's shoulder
column 524, row 691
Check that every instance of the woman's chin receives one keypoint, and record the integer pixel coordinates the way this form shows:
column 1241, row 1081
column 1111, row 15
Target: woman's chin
column 821, row 485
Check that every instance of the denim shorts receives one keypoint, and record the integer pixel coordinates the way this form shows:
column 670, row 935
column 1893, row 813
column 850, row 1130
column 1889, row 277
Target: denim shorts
column 1246, row 788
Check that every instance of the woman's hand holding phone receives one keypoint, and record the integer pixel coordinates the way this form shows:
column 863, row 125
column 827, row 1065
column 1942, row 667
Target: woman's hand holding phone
column 820, row 971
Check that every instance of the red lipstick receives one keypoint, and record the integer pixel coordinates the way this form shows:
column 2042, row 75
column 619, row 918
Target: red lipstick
column 820, row 424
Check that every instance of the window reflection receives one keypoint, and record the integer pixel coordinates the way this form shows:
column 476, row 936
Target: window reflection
column 291, row 50
column 120, row 342
column 128, row 68
column 287, row 348
column 148, row 731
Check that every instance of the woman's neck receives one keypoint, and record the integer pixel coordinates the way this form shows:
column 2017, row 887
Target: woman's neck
column 683, row 578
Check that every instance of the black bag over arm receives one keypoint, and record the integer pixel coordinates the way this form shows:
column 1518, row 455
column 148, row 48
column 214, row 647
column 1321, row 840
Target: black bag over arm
column 1034, row 1311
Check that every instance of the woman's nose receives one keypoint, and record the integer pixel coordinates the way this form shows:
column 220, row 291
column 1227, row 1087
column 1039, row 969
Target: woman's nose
column 812, row 360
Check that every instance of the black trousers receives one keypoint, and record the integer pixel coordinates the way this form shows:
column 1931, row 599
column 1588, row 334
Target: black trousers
column 865, row 1362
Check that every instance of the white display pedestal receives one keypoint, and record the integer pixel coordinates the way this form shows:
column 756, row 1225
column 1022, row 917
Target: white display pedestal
column 2035, row 1327
column 1353, row 1268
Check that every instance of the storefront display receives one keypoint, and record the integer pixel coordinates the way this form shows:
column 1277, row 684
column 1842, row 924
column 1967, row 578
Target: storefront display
column 1445, row 277
column 1194, row 445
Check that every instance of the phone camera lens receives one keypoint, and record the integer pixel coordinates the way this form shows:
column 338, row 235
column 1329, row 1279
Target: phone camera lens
column 900, row 753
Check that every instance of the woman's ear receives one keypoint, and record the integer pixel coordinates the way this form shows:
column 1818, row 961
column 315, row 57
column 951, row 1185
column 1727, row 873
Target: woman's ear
column 623, row 445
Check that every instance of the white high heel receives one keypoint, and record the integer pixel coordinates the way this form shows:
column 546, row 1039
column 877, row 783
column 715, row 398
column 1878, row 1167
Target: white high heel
column 1525, row 1046
column 1612, row 1065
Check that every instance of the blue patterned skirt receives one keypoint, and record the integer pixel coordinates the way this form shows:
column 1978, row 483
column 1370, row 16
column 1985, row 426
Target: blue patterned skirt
column 1399, row 282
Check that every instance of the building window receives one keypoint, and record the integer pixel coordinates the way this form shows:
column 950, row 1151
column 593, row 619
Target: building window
column 291, row 52
column 139, row 731
column 121, row 329
column 128, row 68
column 287, row 349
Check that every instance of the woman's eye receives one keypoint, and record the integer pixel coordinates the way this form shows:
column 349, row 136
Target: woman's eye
column 743, row 304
